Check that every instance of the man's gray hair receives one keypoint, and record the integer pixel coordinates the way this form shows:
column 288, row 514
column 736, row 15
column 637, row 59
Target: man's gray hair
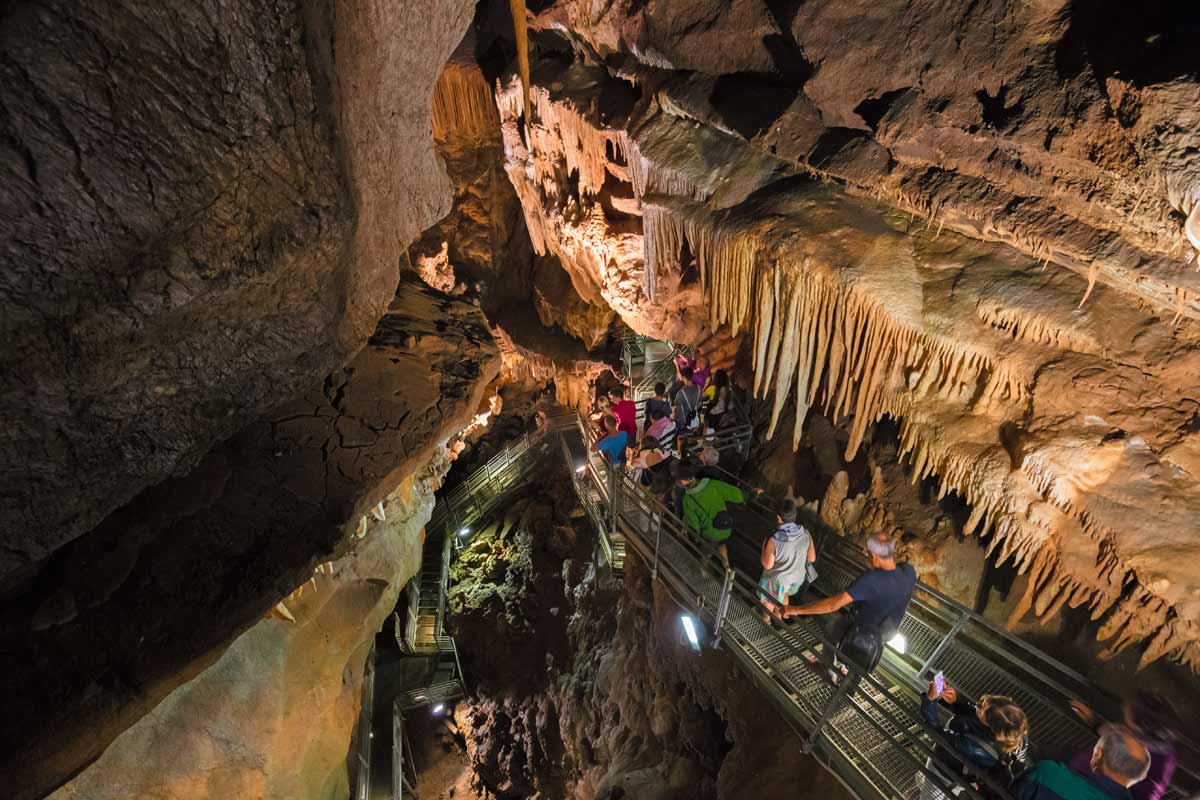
column 1123, row 756
column 881, row 545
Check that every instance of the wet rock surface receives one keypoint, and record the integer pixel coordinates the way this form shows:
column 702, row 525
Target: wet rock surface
column 123, row 615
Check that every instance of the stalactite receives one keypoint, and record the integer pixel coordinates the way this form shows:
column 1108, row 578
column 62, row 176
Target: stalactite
column 844, row 347
column 521, row 34
column 574, row 382
column 463, row 104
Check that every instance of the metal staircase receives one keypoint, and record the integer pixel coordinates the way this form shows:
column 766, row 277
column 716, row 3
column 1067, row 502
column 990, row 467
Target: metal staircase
column 864, row 728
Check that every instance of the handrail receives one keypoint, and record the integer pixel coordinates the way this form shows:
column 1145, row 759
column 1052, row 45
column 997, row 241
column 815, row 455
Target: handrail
column 940, row 631
column 861, row 686
column 966, row 642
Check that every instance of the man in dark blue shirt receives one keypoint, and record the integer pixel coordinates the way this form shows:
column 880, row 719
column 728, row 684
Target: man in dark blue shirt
column 881, row 593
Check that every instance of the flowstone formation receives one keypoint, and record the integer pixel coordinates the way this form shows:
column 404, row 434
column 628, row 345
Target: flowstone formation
column 546, row 331
column 285, row 731
column 584, row 686
column 1069, row 428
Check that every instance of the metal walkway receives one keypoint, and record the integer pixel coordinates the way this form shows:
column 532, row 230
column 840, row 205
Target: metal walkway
column 866, row 729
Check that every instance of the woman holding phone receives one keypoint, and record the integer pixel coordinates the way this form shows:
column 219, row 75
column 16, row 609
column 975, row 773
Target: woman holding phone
column 988, row 738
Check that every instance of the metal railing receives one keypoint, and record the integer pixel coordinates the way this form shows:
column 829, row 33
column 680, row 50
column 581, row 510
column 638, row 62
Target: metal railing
column 873, row 741
column 867, row 729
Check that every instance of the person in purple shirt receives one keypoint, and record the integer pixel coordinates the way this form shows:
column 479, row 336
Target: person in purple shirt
column 1156, row 725
column 701, row 372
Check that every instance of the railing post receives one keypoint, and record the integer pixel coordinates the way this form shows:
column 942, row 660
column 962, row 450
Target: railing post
column 613, row 487
column 844, row 686
column 723, row 606
column 657, row 536
column 944, row 643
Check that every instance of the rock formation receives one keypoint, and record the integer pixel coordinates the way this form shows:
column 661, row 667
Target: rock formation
column 285, row 729
column 198, row 226
column 209, row 553
column 574, row 699
column 1066, row 426
column 263, row 260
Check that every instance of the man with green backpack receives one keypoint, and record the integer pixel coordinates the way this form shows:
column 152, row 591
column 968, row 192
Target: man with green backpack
column 705, row 507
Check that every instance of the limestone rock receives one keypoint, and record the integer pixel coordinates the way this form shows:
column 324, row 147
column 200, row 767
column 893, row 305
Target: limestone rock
column 273, row 716
column 219, row 547
column 204, row 211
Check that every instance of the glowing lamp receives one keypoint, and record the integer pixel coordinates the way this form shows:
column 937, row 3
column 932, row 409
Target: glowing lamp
column 689, row 630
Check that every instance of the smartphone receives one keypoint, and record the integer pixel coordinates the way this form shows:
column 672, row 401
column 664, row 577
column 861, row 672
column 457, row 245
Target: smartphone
column 939, row 683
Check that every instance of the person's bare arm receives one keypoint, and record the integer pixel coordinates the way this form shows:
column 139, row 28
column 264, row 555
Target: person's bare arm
column 826, row 606
column 812, row 551
column 768, row 553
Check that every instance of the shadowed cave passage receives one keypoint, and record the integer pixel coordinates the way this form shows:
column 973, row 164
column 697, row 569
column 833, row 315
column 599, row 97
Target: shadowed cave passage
column 301, row 302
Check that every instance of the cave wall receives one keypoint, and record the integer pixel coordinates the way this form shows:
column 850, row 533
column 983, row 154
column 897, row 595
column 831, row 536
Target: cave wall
column 202, row 215
column 1067, row 426
column 118, row 619
column 273, row 716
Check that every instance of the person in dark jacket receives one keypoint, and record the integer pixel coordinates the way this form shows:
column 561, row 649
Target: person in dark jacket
column 1154, row 721
column 989, row 738
column 1118, row 761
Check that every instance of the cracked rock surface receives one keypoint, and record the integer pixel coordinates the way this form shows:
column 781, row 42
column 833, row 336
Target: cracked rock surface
column 202, row 214
column 114, row 621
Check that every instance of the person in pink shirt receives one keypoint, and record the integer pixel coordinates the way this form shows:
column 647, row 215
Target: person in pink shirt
column 625, row 410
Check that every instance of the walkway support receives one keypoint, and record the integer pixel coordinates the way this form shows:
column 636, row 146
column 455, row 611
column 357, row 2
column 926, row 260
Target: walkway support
column 866, row 729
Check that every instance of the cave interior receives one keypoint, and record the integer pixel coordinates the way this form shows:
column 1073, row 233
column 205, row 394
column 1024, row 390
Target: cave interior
column 308, row 307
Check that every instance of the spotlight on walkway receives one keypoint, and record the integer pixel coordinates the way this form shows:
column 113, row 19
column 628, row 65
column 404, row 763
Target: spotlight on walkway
column 898, row 643
column 438, row 709
column 582, row 468
column 689, row 629
column 464, row 531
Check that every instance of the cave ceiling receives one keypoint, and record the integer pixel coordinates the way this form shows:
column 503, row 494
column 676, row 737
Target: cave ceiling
column 983, row 235
column 982, row 220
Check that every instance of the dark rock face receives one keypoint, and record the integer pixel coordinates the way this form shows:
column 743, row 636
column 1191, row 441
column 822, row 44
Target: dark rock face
column 120, row 616
column 202, row 210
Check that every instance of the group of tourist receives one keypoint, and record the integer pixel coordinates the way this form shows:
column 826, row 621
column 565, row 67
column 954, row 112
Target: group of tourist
column 984, row 743
column 987, row 745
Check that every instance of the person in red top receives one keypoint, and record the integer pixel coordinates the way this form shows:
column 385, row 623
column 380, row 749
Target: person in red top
column 625, row 410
